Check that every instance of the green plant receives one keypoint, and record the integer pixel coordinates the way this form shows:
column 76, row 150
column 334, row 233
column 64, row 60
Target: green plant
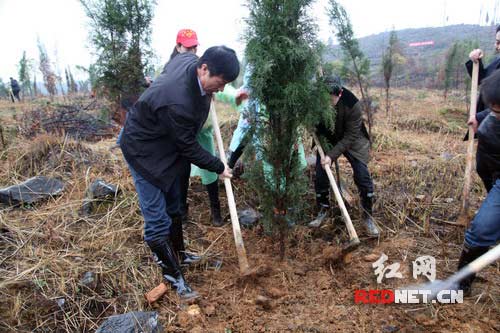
column 120, row 32
column 282, row 53
column 25, row 66
column 355, row 64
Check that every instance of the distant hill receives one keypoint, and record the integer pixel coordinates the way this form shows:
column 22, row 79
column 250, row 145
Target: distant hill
column 427, row 60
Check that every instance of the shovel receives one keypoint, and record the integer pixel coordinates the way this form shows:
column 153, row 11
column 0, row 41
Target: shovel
column 353, row 236
column 157, row 292
column 464, row 217
column 240, row 247
column 453, row 281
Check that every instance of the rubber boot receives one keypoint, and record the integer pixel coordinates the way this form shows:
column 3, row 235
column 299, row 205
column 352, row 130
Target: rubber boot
column 177, row 239
column 213, row 196
column 367, row 205
column 172, row 273
column 469, row 254
column 323, row 202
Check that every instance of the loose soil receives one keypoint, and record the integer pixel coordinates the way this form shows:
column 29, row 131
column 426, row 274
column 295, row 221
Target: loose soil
column 46, row 249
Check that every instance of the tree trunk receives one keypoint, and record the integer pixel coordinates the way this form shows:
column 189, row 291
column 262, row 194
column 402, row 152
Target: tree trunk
column 387, row 101
column 2, row 139
column 364, row 96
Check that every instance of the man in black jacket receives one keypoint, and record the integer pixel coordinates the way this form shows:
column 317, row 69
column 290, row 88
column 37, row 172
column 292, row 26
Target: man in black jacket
column 349, row 138
column 482, row 110
column 484, row 230
column 477, row 55
column 159, row 144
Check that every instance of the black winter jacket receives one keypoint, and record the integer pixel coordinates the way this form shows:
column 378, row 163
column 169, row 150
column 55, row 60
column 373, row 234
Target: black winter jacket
column 159, row 137
column 350, row 134
column 488, row 148
column 14, row 85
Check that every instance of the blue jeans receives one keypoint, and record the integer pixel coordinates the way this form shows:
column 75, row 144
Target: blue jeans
column 485, row 227
column 119, row 139
column 157, row 207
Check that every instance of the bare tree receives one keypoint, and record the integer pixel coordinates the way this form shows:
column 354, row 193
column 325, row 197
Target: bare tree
column 49, row 77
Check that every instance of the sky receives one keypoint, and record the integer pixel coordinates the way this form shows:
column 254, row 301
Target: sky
column 62, row 26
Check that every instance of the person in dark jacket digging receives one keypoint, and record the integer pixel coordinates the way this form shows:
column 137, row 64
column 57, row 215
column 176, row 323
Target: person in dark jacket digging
column 349, row 138
column 14, row 85
column 159, row 143
column 482, row 111
column 484, row 230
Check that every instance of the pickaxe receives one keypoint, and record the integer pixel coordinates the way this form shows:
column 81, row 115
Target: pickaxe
column 353, row 236
column 453, row 281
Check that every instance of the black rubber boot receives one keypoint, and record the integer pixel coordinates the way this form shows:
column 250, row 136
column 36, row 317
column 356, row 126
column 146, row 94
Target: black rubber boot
column 367, row 206
column 469, row 254
column 177, row 239
column 213, row 196
column 172, row 273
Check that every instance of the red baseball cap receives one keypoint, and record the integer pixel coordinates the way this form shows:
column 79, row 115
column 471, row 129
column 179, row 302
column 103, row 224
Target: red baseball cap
column 187, row 38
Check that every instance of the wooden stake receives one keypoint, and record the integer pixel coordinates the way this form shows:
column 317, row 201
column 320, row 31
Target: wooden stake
column 240, row 247
column 464, row 217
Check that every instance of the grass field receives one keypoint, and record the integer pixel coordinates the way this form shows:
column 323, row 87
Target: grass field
column 418, row 162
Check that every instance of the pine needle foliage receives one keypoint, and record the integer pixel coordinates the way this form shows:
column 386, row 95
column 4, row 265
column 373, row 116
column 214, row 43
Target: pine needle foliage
column 391, row 57
column 454, row 75
column 25, row 66
column 282, row 52
column 355, row 66
column 120, row 32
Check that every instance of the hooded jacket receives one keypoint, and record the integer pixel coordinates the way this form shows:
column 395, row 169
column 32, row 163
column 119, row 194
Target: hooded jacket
column 349, row 133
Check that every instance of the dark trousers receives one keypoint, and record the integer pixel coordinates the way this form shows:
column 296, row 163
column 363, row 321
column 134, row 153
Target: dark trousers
column 157, row 207
column 362, row 179
column 183, row 192
column 16, row 95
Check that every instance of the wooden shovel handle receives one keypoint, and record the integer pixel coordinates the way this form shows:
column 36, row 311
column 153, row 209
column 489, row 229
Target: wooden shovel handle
column 470, row 146
column 347, row 219
column 240, row 247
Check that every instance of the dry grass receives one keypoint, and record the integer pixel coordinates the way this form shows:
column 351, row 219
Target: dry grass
column 46, row 249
